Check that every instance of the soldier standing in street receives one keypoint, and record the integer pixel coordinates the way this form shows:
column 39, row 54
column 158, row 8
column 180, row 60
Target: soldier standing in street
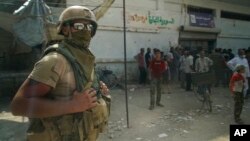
column 62, row 96
column 157, row 67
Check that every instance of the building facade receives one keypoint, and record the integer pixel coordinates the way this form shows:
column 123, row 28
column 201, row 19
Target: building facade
column 164, row 23
column 161, row 24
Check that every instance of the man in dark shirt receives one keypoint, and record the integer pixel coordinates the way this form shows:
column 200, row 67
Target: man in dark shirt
column 148, row 57
column 231, row 55
column 141, row 66
column 218, row 66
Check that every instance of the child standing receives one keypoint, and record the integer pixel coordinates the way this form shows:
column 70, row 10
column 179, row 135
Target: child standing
column 236, row 87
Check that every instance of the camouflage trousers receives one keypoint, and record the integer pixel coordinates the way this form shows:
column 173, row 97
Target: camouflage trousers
column 155, row 86
column 238, row 104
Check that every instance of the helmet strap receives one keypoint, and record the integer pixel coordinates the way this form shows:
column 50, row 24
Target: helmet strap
column 69, row 31
column 69, row 34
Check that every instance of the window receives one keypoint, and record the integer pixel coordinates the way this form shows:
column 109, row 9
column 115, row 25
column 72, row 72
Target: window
column 235, row 16
column 201, row 17
column 193, row 9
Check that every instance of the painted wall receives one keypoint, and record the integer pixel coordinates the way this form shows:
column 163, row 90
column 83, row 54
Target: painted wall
column 146, row 27
column 155, row 23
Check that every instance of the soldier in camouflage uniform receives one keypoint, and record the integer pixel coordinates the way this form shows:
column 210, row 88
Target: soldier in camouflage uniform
column 62, row 97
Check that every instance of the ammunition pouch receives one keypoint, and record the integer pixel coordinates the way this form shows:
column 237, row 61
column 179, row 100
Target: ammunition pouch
column 100, row 113
column 107, row 99
column 71, row 127
column 37, row 132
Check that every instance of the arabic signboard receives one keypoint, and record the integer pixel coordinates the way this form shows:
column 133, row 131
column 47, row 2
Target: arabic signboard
column 149, row 19
column 201, row 20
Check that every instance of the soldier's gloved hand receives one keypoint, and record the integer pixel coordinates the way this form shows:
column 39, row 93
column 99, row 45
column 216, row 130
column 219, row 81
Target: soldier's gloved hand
column 103, row 88
column 85, row 100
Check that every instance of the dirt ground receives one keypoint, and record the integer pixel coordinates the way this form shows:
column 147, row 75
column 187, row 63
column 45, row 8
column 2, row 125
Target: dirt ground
column 179, row 120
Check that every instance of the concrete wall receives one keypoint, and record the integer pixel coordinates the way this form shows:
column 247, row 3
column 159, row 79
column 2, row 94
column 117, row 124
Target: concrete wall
column 108, row 44
column 234, row 33
column 142, row 32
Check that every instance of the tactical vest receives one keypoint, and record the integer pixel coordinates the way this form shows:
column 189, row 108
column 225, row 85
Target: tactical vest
column 77, row 126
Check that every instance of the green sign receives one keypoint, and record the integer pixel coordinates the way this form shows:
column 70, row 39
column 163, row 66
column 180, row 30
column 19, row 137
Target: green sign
column 158, row 20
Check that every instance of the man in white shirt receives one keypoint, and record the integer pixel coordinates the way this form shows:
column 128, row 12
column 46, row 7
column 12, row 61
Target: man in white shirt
column 188, row 68
column 181, row 69
column 203, row 63
column 240, row 60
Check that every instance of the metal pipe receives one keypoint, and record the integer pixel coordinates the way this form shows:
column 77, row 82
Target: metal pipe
column 125, row 59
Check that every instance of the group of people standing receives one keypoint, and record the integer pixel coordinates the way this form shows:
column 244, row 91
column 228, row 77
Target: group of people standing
column 64, row 99
column 230, row 70
column 181, row 63
column 188, row 65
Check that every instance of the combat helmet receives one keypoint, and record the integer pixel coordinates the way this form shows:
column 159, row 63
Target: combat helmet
column 77, row 12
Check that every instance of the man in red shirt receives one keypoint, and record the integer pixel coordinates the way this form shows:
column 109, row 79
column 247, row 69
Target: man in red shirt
column 156, row 68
